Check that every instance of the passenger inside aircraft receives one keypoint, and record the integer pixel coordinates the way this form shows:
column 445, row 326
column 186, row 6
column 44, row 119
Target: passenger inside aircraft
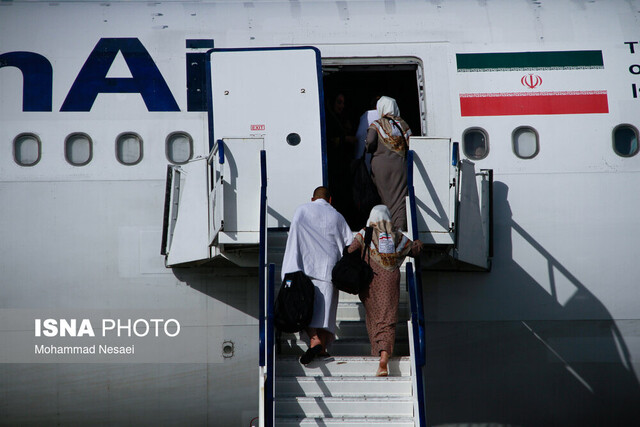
column 350, row 91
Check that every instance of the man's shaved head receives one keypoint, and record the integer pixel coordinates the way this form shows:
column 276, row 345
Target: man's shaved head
column 321, row 193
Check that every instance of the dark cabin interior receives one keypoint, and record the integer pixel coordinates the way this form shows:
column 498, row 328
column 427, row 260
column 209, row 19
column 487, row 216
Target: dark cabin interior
column 360, row 86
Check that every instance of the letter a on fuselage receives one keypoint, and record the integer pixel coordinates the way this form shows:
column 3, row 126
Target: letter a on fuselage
column 146, row 78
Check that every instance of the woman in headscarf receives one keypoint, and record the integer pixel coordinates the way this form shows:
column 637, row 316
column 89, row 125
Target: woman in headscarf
column 388, row 140
column 388, row 249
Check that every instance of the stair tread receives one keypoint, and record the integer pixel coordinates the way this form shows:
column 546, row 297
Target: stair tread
column 287, row 358
column 359, row 399
column 372, row 418
column 345, row 378
column 343, row 386
column 401, row 302
column 352, row 322
column 345, row 420
column 344, row 339
column 352, row 366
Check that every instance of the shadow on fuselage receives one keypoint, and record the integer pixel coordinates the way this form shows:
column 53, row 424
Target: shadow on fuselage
column 507, row 349
column 225, row 284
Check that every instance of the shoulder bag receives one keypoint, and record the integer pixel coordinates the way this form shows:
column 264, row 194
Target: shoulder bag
column 352, row 274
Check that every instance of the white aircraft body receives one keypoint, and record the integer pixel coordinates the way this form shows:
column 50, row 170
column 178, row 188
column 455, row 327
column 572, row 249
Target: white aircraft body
column 541, row 327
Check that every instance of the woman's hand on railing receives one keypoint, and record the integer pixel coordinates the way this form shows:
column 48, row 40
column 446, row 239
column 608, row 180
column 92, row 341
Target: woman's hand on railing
column 416, row 247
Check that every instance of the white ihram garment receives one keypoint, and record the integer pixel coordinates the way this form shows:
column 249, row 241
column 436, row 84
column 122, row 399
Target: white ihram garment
column 366, row 119
column 317, row 236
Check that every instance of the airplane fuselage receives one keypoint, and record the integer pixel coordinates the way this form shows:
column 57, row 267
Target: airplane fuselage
column 97, row 98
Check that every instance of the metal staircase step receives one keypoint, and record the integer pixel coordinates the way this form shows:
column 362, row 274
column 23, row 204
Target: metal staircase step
column 293, row 345
column 346, row 297
column 346, row 422
column 355, row 329
column 363, row 386
column 351, row 310
column 358, row 328
column 337, row 407
column 353, row 366
column 351, row 340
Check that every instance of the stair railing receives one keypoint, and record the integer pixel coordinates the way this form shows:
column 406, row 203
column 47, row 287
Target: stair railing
column 271, row 371
column 266, row 336
column 414, row 283
column 417, row 329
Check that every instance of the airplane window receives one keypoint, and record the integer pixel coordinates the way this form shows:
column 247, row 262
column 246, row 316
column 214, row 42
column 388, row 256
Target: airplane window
column 27, row 149
column 179, row 147
column 476, row 143
column 293, row 139
column 525, row 142
column 78, row 149
column 129, row 149
column 625, row 140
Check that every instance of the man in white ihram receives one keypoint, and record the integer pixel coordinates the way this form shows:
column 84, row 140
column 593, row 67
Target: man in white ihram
column 316, row 239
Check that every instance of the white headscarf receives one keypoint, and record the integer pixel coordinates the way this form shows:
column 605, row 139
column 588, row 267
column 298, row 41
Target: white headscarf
column 387, row 106
column 392, row 131
column 380, row 219
column 388, row 247
column 379, row 214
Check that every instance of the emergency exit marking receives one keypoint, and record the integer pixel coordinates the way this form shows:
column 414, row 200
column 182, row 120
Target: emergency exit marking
column 257, row 127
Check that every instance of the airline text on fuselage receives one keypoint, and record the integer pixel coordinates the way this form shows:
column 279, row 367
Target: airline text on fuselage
column 92, row 79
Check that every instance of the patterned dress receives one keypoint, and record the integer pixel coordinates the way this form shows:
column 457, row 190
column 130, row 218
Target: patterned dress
column 381, row 298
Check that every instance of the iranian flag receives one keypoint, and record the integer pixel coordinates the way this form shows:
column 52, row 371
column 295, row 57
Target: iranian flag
column 531, row 83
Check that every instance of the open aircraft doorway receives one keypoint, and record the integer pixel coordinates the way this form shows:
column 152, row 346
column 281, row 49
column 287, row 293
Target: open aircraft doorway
column 351, row 88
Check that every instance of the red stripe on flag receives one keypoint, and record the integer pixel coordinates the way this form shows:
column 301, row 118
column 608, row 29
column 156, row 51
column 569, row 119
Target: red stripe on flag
column 515, row 104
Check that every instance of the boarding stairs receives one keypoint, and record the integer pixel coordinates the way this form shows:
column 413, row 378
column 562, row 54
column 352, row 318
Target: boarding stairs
column 342, row 390
column 210, row 212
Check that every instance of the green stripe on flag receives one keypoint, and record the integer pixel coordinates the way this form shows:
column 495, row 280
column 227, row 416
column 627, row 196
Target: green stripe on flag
column 514, row 61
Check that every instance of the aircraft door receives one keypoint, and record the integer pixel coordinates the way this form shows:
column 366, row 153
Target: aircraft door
column 473, row 215
column 274, row 94
column 186, row 214
column 234, row 197
column 216, row 192
column 435, row 197
column 258, row 99
column 452, row 205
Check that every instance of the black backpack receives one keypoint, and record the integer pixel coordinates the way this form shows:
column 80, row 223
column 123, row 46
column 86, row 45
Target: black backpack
column 293, row 308
column 352, row 274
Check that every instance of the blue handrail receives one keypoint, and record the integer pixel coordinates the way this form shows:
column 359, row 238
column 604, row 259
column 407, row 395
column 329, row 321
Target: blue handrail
column 414, row 283
column 417, row 329
column 220, row 151
column 265, row 300
column 418, row 274
column 269, row 383
column 262, row 255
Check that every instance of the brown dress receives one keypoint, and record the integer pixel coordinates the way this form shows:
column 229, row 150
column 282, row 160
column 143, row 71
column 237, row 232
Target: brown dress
column 389, row 173
column 380, row 301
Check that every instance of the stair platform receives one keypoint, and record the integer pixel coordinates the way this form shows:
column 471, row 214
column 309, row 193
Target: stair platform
column 343, row 407
column 341, row 366
column 343, row 386
column 347, row 421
